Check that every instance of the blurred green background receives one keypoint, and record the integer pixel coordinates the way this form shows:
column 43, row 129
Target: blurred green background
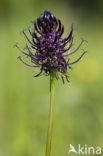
column 24, row 100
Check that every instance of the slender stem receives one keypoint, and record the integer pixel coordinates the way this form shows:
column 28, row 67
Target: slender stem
column 52, row 100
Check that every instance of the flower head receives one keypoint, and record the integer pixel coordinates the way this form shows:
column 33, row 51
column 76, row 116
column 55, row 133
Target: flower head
column 49, row 51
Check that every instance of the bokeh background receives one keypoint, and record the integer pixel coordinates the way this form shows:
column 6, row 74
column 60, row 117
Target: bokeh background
column 24, row 100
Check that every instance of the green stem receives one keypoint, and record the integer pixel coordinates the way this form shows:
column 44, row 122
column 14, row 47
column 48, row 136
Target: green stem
column 52, row 100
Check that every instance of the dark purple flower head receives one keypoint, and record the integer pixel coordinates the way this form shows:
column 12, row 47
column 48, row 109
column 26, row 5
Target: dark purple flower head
column 49, row 51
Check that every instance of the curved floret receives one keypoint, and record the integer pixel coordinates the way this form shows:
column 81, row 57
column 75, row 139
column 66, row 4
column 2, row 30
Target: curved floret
column 49, row 51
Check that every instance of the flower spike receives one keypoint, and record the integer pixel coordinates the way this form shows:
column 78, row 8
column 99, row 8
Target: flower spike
column 49, row 46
